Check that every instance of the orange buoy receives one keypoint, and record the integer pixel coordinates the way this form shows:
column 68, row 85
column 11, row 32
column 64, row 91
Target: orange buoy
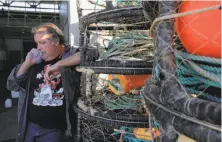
column 123, row 84
column 144, row 133
column 200, row 33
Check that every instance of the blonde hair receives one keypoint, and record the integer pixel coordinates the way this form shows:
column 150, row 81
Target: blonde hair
column 51, row 29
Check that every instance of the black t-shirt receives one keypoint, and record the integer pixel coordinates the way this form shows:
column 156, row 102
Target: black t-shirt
column 46, row 101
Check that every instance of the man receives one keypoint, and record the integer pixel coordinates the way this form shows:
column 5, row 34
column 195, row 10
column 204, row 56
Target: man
column 48, row 87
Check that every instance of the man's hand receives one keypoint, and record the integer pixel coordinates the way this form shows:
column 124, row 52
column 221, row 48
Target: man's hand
column 33, row 57
column 55, row 69
column 52, row 71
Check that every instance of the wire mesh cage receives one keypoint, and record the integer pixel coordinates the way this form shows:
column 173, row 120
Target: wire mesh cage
column 117, row 38
column 184, row 91
column 199, row 62
column 115, row 99
column 197, row 68
column 115, row 42
column 113, row 109
column 186, row 70
column 98, row 132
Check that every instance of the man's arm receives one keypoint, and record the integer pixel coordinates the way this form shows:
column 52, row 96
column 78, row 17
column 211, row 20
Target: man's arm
column 33, row 57
column 53, row 70
column 18, row 75
column 16, row 83
column 70, row 61
column 23, row 69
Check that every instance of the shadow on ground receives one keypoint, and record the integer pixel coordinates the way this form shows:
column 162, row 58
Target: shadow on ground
column 8, row 123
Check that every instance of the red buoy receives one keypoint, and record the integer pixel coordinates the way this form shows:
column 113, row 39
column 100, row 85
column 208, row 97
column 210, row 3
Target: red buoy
column 200, row 33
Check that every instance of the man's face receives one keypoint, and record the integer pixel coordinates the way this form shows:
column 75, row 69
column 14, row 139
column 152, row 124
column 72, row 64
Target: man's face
column 45, row 45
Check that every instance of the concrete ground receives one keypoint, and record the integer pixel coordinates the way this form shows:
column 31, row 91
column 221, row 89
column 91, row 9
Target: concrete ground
column 8, row 123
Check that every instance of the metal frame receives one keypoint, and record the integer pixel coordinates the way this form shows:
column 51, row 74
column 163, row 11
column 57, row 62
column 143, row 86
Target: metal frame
column 29, row 15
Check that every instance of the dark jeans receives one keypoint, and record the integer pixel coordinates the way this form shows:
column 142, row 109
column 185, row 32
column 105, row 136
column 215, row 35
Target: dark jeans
column 36, row 133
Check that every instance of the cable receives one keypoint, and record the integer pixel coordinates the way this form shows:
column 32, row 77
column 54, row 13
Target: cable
column 157, row 20
column 192, row 119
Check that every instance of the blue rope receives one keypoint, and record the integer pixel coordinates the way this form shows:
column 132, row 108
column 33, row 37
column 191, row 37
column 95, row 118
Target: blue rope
column 96, row 3
column 156, row 72
column 129, row 136
column 123, row 42
column 198, row 80
column 123, row 102
column 184, row 67
column 189, row 76
column 211, row 69
column 210, row 60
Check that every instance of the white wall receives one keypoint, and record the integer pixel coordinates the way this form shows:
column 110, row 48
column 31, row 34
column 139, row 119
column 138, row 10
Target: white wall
column 64, row 19
column 89, row 7
column 73, row 23
column 73, row 19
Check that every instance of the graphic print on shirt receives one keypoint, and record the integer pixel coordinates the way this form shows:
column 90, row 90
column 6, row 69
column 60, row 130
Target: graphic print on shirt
column 48, row 94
